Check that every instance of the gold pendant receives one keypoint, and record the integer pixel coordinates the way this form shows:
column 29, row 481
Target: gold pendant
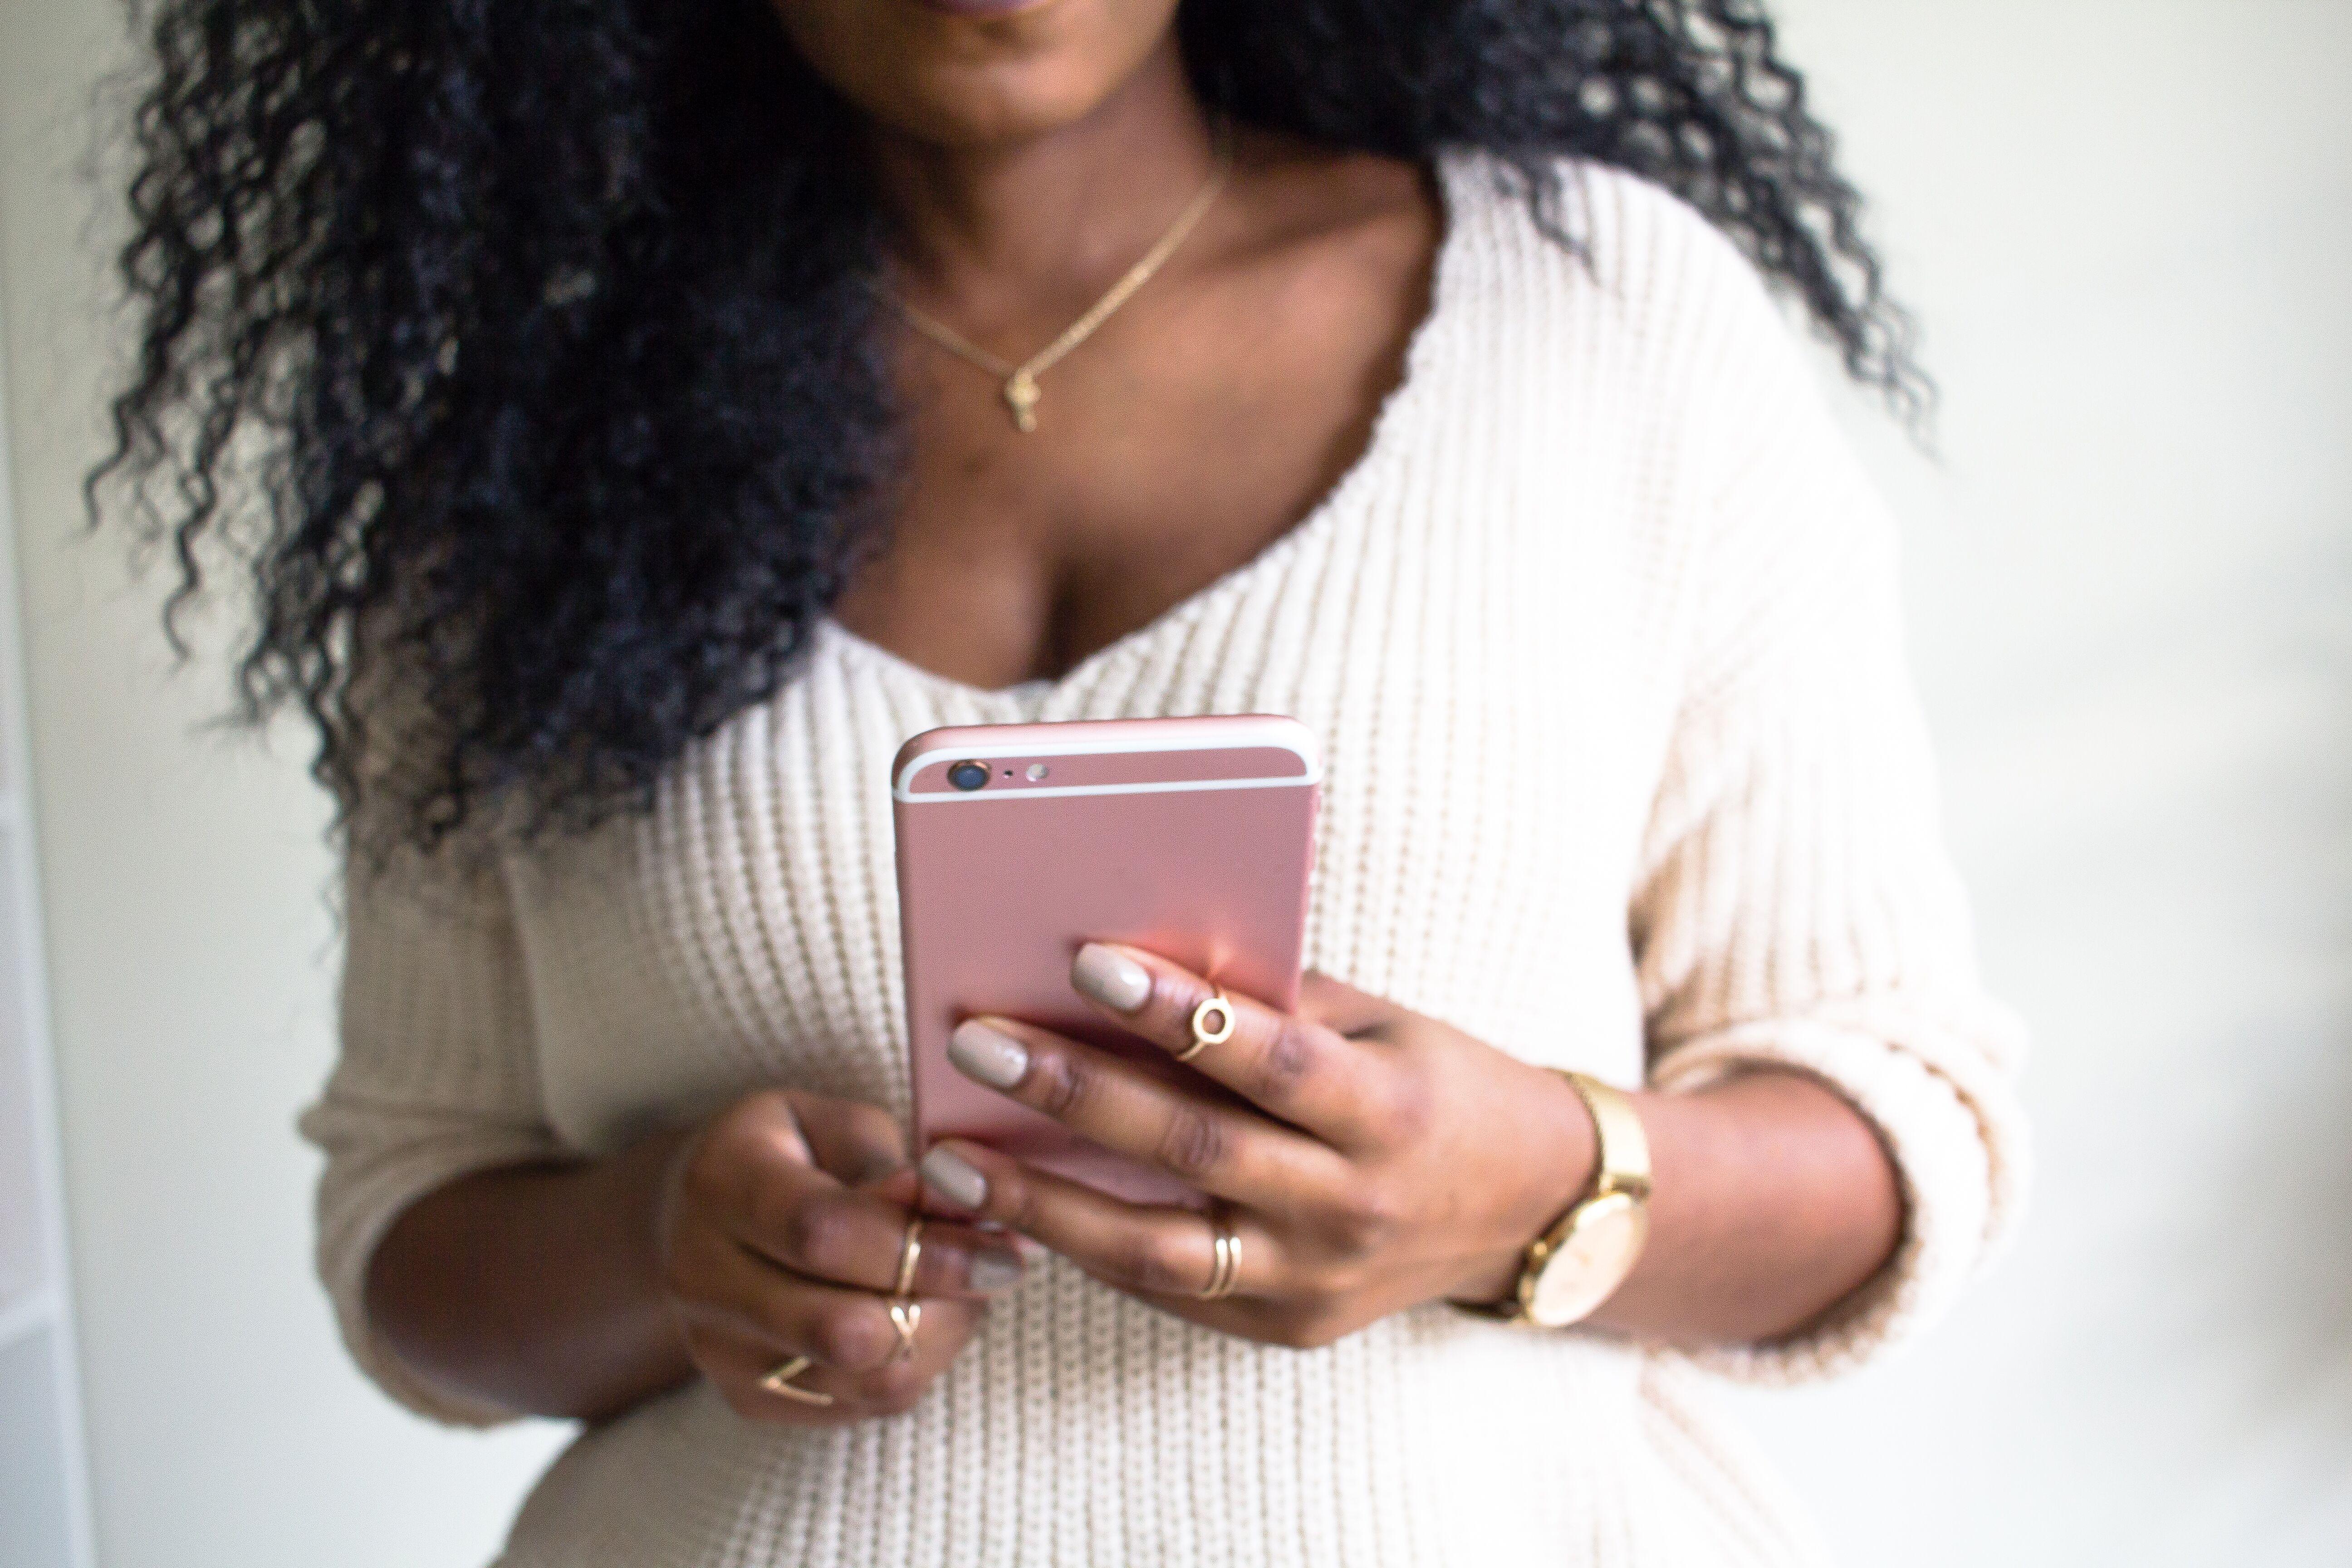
column 1020, row 396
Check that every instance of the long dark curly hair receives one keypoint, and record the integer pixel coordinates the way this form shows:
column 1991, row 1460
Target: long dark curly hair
column 520, row 347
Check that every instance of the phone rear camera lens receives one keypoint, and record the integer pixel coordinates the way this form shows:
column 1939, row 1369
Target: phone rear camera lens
column 968, row 775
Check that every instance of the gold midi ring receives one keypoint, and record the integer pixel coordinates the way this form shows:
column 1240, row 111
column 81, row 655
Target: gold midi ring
column 910, row 1252
column 905, row 1312
column 906, row 1316
column 1226, row 1267
column 781, row 1382
column 1203, row 1036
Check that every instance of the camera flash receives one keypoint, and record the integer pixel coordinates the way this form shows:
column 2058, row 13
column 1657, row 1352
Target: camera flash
column 1037, row 772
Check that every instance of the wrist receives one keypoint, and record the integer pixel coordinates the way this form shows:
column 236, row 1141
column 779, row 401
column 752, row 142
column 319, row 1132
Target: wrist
column 1557, row 1156
column 644, row 1182
column 1580, row 1260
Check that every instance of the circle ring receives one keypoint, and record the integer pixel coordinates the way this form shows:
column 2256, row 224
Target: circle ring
column 1203, row 1036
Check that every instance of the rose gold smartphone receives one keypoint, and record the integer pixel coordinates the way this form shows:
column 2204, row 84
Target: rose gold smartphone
column 1191, row 838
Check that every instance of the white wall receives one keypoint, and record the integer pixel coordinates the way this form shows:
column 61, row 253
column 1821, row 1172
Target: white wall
column 190, row 971
column 2129, row 224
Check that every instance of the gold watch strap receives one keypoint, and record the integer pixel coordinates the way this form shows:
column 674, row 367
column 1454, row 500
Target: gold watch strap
column 1623, row 1156
column 1622, row 1162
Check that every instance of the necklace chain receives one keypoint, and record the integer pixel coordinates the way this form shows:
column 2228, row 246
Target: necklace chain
column 1020, row 390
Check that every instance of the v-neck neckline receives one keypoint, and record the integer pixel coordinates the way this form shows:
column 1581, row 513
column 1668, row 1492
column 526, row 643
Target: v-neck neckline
column 1382, row 449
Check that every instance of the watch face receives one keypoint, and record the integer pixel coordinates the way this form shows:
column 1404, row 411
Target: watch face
column 1592, row 1259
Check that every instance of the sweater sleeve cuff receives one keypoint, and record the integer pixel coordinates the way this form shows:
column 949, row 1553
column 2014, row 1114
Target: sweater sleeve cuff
column 1955, row 1135
column 409, row 1156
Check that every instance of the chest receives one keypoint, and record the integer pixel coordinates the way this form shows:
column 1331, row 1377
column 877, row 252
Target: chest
column 1482, row 672
column 1200, row 423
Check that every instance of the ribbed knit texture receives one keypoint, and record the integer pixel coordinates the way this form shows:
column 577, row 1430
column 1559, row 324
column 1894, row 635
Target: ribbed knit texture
column 1600, row 637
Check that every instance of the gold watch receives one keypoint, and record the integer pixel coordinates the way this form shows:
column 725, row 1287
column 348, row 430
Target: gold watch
column 1578, row 1263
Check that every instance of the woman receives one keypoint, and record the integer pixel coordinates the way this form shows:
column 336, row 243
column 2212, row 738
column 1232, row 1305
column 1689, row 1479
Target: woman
column 679, row 406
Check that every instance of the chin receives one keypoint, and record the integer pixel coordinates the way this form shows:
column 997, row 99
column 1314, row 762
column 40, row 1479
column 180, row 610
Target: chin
column 972, row 73
column 968, row 109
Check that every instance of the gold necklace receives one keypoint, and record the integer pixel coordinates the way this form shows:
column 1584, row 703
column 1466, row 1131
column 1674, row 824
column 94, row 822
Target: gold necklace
column 1020, row 390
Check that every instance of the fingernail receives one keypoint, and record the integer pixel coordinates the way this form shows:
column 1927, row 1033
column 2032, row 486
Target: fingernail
column 953, row 1177
column 1111, row 978
column 992, row 1056
column 995, row 1272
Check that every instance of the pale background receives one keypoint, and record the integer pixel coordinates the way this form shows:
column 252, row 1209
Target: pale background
column 2129, row 224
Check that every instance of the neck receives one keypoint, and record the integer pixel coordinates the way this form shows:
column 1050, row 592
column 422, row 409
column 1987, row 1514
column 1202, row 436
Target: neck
column 1001, row 237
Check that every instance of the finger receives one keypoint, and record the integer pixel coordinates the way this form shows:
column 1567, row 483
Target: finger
column 1229, row 1151
column 1150, row 1249
column 744, row 1366
column 854, row 1143
column 1309, row 1075
column 854, row 1333
column 1340, row 1007
column 804, row 1221
column 742, row 1294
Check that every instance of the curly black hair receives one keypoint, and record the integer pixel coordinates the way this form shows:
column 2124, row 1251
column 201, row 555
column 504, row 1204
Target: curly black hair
column 523, row 348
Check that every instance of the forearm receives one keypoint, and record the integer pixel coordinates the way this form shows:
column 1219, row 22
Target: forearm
column 1774, row 1201
column 535, row 1287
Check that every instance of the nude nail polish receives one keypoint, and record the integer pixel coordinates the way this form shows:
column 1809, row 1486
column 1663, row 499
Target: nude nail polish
column 995, row 1272
column 987, row 1056
column 1110, row 977
column 953, row 1176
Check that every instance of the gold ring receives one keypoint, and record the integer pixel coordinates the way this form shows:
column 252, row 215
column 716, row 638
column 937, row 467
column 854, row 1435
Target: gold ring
column 906, row 1316
column 905, row 1312
column 781, row 1382
column 1204, row 1036
column 910, row 1252
column 1226, row 1267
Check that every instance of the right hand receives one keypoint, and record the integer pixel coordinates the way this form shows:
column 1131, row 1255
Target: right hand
column 780, row 1228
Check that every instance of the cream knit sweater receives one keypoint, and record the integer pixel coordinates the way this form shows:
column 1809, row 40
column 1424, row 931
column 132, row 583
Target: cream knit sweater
column 1600, row 638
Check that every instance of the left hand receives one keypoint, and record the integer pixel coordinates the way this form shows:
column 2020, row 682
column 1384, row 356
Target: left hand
column 1382, row 1159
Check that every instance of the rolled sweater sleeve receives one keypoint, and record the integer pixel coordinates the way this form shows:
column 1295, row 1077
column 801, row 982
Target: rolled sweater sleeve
column 1795, row 906
column 437, row 1078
